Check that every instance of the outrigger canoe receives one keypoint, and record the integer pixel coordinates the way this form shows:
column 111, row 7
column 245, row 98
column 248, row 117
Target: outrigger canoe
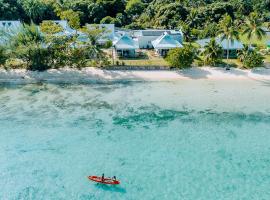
column 108, row 181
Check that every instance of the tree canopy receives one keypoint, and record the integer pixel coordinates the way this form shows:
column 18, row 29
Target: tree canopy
column 201, row 16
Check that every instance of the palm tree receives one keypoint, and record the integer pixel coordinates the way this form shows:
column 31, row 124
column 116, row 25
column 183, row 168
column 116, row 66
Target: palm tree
column 192, row 18
column 243, row 53
column 253, row 27
column 212, row 52
column 29, row 34
column 228, row 32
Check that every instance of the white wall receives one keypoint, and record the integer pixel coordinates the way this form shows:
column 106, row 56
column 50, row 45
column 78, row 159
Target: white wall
column 147, row 40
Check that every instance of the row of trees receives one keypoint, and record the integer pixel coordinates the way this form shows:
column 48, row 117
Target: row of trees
column 47, row 48
column 228, row 30
column 211, row 55
column 200, row 17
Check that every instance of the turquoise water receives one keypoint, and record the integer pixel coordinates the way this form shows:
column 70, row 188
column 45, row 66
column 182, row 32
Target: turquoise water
column 163, row 140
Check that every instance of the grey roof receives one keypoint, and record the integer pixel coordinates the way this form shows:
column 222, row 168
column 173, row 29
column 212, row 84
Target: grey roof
column 156, row 32
column 233, row 45
column 152, row 33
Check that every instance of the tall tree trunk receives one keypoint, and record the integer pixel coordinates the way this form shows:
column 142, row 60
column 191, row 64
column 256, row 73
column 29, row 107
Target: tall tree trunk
column 228, row 51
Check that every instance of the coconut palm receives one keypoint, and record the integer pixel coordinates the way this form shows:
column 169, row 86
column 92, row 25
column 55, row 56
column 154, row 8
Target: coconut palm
column 29, row 34
column 253, row 27
column 243, row 53
column 212, row 52
column 228, row 32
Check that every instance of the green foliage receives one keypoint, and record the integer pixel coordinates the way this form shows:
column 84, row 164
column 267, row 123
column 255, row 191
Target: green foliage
column 37, row 10
column 243, row 53
column 134, row 8
column 108, row 44
column 11, row 9
column 29, row 34
column 182, row 57
column 27, row 45
column 36, row 56
column 44, row 51
column 3, row 55
column 253, row 59
column 198, row 14
column 163, row 15
column 228, row 30
column 50, row 27
column 212, row 53
column 72, row 17
column 253, row 27
column 110, row 20
column 14, row 63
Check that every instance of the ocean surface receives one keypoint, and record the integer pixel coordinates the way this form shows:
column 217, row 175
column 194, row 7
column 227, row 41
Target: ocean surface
column 190, row 139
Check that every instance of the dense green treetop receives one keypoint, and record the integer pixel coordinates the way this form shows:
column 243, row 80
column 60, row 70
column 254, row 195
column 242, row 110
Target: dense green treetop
column 197, row 17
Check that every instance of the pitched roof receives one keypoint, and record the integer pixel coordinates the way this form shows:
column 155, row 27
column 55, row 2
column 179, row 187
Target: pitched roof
column 166, row 41
column 125, row 42
column 10, row 26
column 233, row 45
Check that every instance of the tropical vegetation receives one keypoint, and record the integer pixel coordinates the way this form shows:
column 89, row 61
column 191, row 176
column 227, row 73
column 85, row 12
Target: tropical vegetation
column 228, row 32
column 43, row 48
column 252, row 59
column 182, row 57
column 47, row 49
column 212, row 53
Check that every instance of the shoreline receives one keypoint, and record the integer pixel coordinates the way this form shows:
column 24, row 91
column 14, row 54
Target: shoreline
column 96, row 75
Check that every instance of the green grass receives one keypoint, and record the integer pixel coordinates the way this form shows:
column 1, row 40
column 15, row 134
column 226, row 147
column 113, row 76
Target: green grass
column 144, row 62
column 267, row 58
column 148, row 59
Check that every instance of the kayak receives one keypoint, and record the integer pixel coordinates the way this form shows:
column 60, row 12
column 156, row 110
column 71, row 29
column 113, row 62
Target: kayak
column 108, row 181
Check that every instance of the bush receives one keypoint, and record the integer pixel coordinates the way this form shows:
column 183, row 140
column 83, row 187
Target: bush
column 3, row 56
column 181, row 57
column 36, row 57
column 14, row 63
column 253, row 59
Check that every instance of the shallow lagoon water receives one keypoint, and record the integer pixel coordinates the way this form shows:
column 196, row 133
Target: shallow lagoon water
column 199, row 139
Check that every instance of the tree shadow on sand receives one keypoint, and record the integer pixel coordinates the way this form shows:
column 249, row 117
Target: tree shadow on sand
column 194, row 73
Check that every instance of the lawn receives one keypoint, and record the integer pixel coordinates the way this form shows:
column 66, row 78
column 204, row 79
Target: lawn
column 148, row 58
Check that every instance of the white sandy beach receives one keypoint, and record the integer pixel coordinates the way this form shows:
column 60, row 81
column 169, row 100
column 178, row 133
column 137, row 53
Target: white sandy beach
column 67, row 75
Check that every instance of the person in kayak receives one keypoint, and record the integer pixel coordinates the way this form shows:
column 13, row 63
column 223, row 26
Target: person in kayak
column 114, row 178
column 102, row 177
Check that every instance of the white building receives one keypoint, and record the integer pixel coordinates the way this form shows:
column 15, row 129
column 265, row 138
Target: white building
column 145, row 37
column 125, row 46
column 164, row 43
column 9, row 28
column 233, row 46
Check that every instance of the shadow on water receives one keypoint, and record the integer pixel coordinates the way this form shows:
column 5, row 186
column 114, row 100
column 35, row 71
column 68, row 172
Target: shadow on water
column 111, row 188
